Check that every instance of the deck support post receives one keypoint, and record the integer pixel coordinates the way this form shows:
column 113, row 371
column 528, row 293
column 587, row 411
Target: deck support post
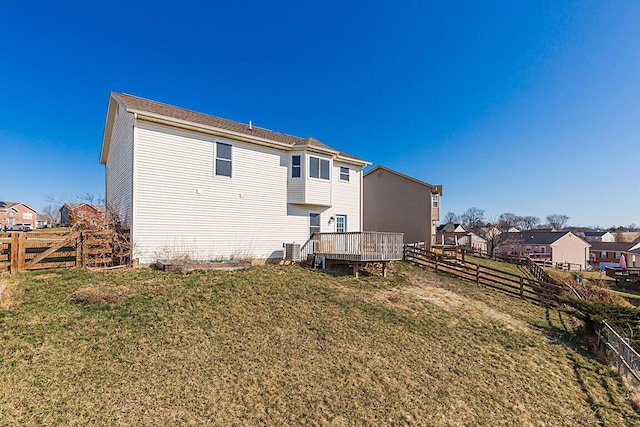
column 384, row 269
column 356, row 269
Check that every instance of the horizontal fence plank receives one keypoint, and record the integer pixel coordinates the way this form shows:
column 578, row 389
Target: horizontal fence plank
column 506, row 282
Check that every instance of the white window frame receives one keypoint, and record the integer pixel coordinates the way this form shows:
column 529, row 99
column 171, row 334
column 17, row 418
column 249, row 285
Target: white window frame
column 345, row 173
column 319, row 226
column 297, row 167
column 339, row 217
column 435, row 202
column 216, row 159
column 27, row 215
column 320, row 160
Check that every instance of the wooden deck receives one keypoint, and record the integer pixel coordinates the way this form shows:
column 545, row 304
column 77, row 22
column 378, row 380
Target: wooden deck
column 623, row 274
column 358, row 247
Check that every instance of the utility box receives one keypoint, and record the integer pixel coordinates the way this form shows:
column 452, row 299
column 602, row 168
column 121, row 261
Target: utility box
column 292, row 252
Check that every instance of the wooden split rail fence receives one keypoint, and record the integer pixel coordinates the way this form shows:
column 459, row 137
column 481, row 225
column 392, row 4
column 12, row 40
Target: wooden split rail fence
column 503, row 281
column 30, row 251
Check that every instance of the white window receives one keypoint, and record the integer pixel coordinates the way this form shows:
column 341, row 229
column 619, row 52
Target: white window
column 27, row 215
column 341, row 223
column 618, row 255
column 223, row 159
column 344, row 173
column 434, row 200
column 314, row 223
column 318, row 168
column 603, row 254
column 296, row 166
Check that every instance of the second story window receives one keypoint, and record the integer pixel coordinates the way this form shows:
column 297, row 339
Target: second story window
column 296, row 166
column 318, row 168
column 27, row 215
column 434, row 200
column 344, row 173
column 223, row 159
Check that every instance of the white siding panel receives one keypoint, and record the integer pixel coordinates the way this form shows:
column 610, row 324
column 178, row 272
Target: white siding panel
column 119, row 167
column 346, row 196
column 183, row 210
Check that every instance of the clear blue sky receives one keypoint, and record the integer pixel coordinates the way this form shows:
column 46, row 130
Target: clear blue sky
column 530, row 107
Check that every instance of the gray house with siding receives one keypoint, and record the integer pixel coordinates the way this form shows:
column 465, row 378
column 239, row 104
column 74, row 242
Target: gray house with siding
column 394, row 202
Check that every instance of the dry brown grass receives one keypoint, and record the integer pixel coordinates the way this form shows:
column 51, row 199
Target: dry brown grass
column 288, row 346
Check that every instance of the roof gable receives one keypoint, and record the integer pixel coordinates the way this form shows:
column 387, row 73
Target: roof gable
column 435, row 189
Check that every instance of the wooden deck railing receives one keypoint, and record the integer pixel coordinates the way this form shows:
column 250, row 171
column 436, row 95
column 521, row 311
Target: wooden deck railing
column 366, row 246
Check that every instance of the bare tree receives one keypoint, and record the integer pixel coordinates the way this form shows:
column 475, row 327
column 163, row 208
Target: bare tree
column 472, row 218
column 557, row 221
column 493, row 235
column 51, row 213
column 508, row 220
column 450, row 218
column 90, row 198
column 529, row 222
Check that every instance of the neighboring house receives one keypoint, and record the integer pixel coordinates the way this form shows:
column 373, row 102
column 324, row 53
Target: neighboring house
column 633, row 258
column 12, row 213
column 191, row 185
column 394, row 202
column 596, row 236
column 457, row 235
column 554, row 246
column 70, row 213
column 41, row 221
column 608, row 253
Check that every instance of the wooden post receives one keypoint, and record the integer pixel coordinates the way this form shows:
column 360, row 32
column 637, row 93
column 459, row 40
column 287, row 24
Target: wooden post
column 436, row 268
column 84, row 249
column 356, row 269
column 521, row 287
column 22, row 250
column 478, row 273
column 384, row 269
column 15, row 249
column 79, row 250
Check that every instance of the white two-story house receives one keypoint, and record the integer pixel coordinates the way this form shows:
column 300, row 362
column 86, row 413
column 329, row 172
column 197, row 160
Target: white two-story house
column 191, row 185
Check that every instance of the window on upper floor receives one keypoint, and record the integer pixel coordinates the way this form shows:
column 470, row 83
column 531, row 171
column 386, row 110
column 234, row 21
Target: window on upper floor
column 27, row 215
column 223, row 159
column 318, row 168
column 344, row 173
column 296, row 166
column 434, row 200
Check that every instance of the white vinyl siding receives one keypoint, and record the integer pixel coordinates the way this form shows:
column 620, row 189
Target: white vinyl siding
column 182, row 211
column 119, row 167
column 318, row 191
column 347, row 196
column 296, row 186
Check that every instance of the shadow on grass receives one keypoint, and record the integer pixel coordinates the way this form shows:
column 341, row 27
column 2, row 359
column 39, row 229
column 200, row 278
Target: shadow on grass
column 584, row 362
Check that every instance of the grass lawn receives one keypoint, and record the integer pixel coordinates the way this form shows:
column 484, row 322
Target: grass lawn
column 289, row 346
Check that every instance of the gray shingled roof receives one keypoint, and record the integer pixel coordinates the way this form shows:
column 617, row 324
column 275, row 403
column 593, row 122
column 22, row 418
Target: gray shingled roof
column 534, row 237
column 134, row 103
column 612, row 246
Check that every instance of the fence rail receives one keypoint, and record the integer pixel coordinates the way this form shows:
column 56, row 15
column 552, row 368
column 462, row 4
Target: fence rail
column 620, row 352
column 509, row 283
column 20, row 251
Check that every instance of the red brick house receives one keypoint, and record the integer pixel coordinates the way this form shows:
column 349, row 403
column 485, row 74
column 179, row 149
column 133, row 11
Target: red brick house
column 610, row 252
column 70, row 213
column 12, row 213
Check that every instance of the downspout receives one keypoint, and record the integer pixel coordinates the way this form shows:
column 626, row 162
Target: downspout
column 133, row 184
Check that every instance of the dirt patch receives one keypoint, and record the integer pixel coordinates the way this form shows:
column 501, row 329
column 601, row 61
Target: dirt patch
column 102, row 294
column 426, row 290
